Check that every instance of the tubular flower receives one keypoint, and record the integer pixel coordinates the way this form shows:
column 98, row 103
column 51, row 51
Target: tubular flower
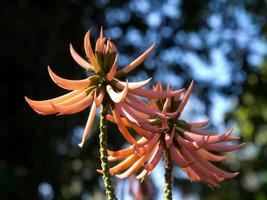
column 103, row 84
column 189, row 146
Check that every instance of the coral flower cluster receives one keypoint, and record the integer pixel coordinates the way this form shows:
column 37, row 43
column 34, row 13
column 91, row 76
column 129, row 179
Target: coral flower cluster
column 189, row 146
column 152, row 115
column 92, row 90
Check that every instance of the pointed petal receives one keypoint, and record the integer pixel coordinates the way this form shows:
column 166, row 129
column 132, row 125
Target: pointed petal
column 89, row 52
column 177, row 158
column 69, row 84
column 113, row 69
column 222, row 147
column 199, row 124
column 185, row 99
column 144, row 108
column 213, row 169
column 123, row 165
column 154, row 94
column 138, row 60
column 209, row 138
column 169, row 138
column 138, row 129
column 132, row 85
column 122, row 128
column 142, row 174
column 155, row 158
column 210, row 156
column 42, row 110
column 133, row 168
column 89, row 124
column 190, row 145
column 117, row 97
column 200, row 170
column 121, row 154
column 74, row 108
column 127, row 151
column 126, row 111
column 142, row 150
column 54, row 100
column 99, row 98
column 45, row 108
column 79, row 60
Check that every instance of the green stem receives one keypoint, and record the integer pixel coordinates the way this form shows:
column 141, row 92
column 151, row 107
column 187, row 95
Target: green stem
column 104, row 152
column 168, row 174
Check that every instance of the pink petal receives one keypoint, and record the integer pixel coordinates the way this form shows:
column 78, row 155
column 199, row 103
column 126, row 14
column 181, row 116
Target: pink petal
column 220, row 173
column 199, row 124
column 121, row 127
column 177, row 158
column 222, row 147
column 148, row 146
column 185, row 99
column 156, row 95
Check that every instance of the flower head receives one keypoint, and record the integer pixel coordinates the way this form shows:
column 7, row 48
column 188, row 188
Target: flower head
column 102, row 86
column 189, row 146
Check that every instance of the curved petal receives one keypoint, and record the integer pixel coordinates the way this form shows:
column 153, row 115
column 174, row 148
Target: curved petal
column 210, row 156
column 178, row 159
column 124, row 164
column 121, row 154
column 117, row 97
column 45, row 108
column 152, row 163
column 99, row 98
column 83, row 63
column 145, row 149
column 126, row 111
column 89, row 52
column 185, row 98
column 74, row 108
column 133, row 168
column 131, row 85
column 54, row 100
column 222, row 147
column 122, row 128
column 69, row 84
column 155, row 94
column 138, row 60
column 213, row 169
column 113, row 69
column 199, row 124
column 89, row 123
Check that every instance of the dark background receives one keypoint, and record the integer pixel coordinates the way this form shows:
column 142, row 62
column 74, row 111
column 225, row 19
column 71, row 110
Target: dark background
column 220, row 44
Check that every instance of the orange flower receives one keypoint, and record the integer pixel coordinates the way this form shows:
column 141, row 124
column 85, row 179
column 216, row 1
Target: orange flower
column 94, row 89
column 188, row 145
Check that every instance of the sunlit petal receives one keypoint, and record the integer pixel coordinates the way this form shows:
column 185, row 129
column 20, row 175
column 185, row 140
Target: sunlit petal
column 69, row 84
column 83, row 63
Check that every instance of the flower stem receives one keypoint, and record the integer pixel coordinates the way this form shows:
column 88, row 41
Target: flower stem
column 104, row 152
column 168, row 174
